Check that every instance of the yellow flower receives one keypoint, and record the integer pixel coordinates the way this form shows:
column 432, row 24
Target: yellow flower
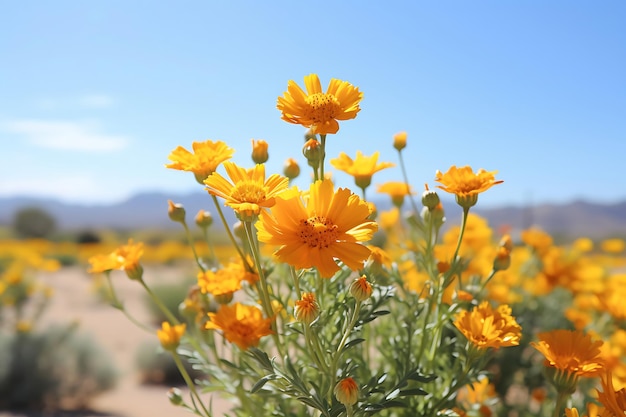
column 361, row 168
column 226, row 280
column 329, row 227
column 570, row 351
column 317, row 110
column 478, row 393
column 241, row 324
column 259, row 151
column 347, row 391
column 465, row 184
column 614, row 401
column 204, row 160
column 249, row 190
column 128, row 259
column 614, row 246
column 485, row 327
column 102, row 263
column 169, row 336
column 397, row 190
column 399, row 140
column 307, row 309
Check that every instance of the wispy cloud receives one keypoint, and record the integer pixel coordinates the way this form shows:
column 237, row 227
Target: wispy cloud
column 66, row 135
column 80, row 187
column 87, row 101
column 98, row 101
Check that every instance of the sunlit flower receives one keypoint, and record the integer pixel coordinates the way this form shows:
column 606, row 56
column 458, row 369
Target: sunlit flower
column 329, row 225
column 103, row 263
column 317, row 110
column 613, row 400
column 485, row 327
column 570, row 351
column 465, row 184
column 169, row 335
column 204, row 160
column 361, row 168
column 226, row 280
column 306, row 308
column 614, row 245
column 397, row 190
column 347, row 391
column 128, row 257
column 241, row 324
column 249, row 191
column 478, row 394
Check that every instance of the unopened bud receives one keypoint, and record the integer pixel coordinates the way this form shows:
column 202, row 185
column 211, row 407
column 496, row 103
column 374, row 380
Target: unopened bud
column 259, row 151
column 176, row 212
column 506, row 242
column 466, row 201
column 291, row 169
column 502, row 260
column 175, row 396
column 430, row 198
column 360, row 289
column 312, row 151
column 347, row 391
column 399, row 140
column 204, row 219
column 307, row 309
column 239, row 231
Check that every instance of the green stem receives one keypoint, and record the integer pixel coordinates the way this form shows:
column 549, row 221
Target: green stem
column 408, row 187
column 205, row 235
column 191, row 385
column 228, row 231
column 561, row 399
column 117, row 304
column 342, row 343
column 458, row 244
column 171, row 317
column 193, row 246
column 296, row 281
column 323, row 156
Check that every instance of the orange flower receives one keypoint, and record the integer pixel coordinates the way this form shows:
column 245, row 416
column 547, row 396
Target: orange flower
column 225, row 281
column 465, row 184
column 307, row 309
column 204, row 160
column 485, row 327
column 169, row 336
column 249, row 190
column 241, row 324
column 259, row 151
column 361, row 168
column 614, row 401
column 329, row 227
column 126, row 258
column 570, row 351
column 317, row 110
column 347, row 391
column 102, row 263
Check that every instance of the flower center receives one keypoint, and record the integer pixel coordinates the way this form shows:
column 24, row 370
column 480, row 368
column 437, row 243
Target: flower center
column 318, row 232
column 322, row 107
column 248, row 191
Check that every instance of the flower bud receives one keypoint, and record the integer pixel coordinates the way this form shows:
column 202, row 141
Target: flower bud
column 307, row 309
column 360, row 289
column 430, row 198
column 506, row 243
column 176, row 212
column 134, row 271
column 312, row 151
column 399, row 140
column 175, row 396
column 259, row 151
column 502, row 260
column 204, row 219
column 291, row 169
column 239, row 231
column 347, row 391
column 466, row 201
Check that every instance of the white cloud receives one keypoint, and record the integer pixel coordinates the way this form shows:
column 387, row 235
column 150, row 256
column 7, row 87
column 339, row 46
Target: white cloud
column 75, row 136
column 98, row 101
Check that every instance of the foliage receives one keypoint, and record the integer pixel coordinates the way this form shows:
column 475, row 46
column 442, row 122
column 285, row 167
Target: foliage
column 33, row 222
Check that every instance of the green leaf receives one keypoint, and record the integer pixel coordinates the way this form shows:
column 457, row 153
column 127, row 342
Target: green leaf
column 261, row 382
column 353, row 342
column 412, row 391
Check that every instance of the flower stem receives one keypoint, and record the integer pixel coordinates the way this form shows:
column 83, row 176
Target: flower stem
column 228, row 231
column 193, row 246
column 191, row 385
column 323, row 156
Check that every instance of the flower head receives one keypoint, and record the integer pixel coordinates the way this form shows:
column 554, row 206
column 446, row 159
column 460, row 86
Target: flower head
column 573, row 352
column 613, row 400
column 249, row 190
column 465, row 184
column 204, row 160
column 361, row 168
column 397, row 190
column 169, row 336
column 126, row 258
column 317, row 110
column 307, row 309
column 241, row 324
column 329, row 225
column 485, row 327
column 347, row 391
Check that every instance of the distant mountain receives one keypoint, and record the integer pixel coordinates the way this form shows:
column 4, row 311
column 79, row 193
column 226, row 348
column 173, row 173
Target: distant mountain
column 149, row 210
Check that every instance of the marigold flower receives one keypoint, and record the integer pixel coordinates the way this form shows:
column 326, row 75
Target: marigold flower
column 361, row 168
column 329, row 227
column 218, row 283
column 259, row 151
column 241, row 324
column 397, row 190
column 307, row 309
column 170, row 336
column 128, row 258
column 347, row 391
column 485, row 327
column 465, row 184
column 204, row 160
column 613, row 400
column 571, row 351
column 317, row 110
column 249, row 190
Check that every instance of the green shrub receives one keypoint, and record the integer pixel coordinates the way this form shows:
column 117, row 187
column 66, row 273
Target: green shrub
column 171, row 295
column 157, row 366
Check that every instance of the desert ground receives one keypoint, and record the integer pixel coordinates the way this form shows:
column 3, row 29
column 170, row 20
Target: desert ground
column 74, row 299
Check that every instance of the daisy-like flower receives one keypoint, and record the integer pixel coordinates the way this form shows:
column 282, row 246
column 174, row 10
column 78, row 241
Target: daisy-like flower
column 307, row 309
column 614, row 401
column 241, row 324
column 486, row 328
column 102, row 263
column 329, row 225
column 169, row 335
column 249, row 191
column 465, row 184
column 317, row 110
column 204, row 159
column 126, row 258
column 225, row 281
column 397, row 190
column 361, row 168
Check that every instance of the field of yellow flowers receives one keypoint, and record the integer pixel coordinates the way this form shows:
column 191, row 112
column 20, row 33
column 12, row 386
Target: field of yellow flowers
column 321, row 305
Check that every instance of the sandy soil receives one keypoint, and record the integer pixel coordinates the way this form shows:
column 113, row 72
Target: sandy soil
column 74, row 300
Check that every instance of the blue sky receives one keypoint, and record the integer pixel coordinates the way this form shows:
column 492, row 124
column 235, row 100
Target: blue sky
column 95, row 95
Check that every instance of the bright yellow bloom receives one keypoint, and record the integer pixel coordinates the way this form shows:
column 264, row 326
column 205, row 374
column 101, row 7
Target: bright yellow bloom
column 478, row 393
column 307, row 309
column 465, row 184
column 126, row 258
column 169, row 336
column 317, row 110
column 397, row 190
column 249, row 190
column 347, row 391
column 328, row 226
column 361, row 168
column 614, row 246
column 485, row 327
column 226, row 280
column 204, row 160
column 241, row 324
column 570, row 351
column 102, row 263
column 614, row 401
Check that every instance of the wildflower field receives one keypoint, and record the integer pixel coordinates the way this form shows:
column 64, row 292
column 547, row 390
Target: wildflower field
column 317, row 303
